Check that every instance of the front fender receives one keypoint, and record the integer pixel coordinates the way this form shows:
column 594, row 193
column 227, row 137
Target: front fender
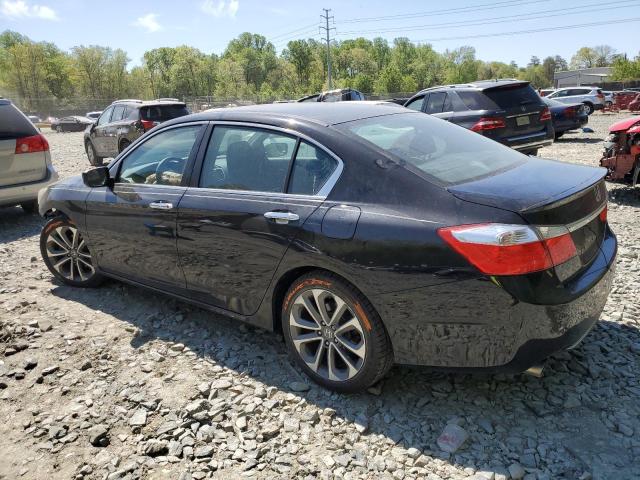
column 66, row 197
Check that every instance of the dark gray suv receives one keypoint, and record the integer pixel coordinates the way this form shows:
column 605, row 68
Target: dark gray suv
column 507, row 111
column 124, row 121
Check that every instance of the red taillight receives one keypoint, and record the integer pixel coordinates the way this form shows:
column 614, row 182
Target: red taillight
column 545, row 114
column 147, row 124
column 600, row 95
column 488, row 123
column 32, row 144
column 498, row 249
column 603, row 215
column 570, row 112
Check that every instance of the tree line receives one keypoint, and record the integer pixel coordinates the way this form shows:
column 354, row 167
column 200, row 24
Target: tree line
column 41, row 75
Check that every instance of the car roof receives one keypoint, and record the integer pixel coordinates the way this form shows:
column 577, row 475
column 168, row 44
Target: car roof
column 316, row 112
column 145, row 103
column 479, row 85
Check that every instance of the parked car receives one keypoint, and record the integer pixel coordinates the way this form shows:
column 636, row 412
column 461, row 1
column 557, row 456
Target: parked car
column 25, row 161
column 546, row 91
column 122, row 122
column 339, row 95
column 621, row 155
column 566, row 117
column 608, row 98
column 507, row 111
column 592, row 97
column 34, row 119
column 73, row 123
column 94, row 115
column 634, row 105
column 624, row 98
column 366, row 233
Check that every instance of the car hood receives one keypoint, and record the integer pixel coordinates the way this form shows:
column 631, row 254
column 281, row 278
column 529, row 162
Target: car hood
column 623, row 124
column 534, row 183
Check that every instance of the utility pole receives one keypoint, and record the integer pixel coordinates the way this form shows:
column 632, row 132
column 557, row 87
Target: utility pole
column 327, row 30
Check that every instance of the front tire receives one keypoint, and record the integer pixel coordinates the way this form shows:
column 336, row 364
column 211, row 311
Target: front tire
column 93, row 157
column 67, row 255
column 334, row 334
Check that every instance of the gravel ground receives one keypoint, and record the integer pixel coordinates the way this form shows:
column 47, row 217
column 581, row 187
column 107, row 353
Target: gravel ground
column 120, row 383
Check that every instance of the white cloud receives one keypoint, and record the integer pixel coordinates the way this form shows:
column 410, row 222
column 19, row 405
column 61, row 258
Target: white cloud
column 221, row 8
column 21, row 9
column 148, row 22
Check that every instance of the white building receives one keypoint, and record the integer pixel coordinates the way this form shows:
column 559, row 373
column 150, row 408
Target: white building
column 585, row 76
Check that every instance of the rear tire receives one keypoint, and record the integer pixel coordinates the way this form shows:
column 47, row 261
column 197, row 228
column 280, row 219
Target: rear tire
column 533, row 152
column 334, row 334
column 66, row 254
column 590, row 108
column 59, row 128
column 93, row 157
column 558, row 134
column 30, row 207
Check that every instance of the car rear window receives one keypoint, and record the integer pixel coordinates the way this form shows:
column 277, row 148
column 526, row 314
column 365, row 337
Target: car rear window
column 13, row 124
column 445, row 153
column 162, row 113
column 500, row 98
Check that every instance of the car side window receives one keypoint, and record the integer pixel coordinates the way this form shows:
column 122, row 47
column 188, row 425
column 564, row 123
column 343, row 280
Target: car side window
column 118, row 111
column 416, row 104
column 435, row 102
column 106, row 115
column 312, row 167
column 246, row 158
column 448, row 103
column 161, row 159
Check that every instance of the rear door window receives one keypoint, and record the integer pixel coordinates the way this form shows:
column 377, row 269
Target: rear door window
column 245, row 158
column 312, row 167
column 13, row 124
column 117, row 114
column 475, row 100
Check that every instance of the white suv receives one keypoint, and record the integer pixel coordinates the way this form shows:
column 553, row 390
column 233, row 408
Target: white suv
column 591, row 97
column 25, row 161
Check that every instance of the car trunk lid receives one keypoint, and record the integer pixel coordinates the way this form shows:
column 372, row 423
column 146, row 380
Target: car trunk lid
column 549, row 193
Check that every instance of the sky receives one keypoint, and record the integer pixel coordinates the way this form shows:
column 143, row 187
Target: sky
column 140, row 25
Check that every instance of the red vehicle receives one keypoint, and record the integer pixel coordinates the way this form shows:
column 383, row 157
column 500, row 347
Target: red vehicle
column 634, row 106
column 622, row 151
column 624, row 98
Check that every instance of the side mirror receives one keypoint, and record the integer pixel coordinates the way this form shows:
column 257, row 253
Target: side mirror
column 96, row 177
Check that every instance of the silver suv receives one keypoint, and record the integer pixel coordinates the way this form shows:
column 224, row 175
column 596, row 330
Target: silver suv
column 591, row 97
column 25, row 161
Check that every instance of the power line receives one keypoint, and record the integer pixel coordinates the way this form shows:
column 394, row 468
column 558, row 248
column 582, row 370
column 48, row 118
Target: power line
column 306, row 27
column 493, row 20
column 535, row 30
column 327, row 30
column 446, row 11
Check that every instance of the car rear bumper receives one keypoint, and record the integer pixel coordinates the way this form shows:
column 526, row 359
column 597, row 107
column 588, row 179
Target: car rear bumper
column 530, row 141
column 474, row 324
column 26, row 192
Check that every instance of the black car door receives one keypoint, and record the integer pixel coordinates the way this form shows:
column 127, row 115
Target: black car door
column 237, row 219
column 132, row 225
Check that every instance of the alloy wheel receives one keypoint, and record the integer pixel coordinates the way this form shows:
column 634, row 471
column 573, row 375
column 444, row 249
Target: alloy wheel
column 327, row 334
column 69, row 255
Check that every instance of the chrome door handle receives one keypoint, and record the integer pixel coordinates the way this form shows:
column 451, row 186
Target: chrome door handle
column 282, row 217
column 161, row 205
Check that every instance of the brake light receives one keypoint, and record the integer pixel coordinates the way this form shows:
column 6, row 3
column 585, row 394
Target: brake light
column 32, row 144
column 488, row 123
column 500, row 249
column 545, row 114
column 147, row 124
column 603, row 215
column 570, row 112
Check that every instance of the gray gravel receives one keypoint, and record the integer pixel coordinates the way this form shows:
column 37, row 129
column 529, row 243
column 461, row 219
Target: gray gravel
column 120, row 383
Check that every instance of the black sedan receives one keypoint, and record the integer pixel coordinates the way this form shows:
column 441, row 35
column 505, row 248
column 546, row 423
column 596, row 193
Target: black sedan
column 566, row 117
column 364, row 232
column 73, row 123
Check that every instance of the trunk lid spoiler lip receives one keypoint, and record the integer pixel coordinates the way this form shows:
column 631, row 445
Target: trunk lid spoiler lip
column 553, row 200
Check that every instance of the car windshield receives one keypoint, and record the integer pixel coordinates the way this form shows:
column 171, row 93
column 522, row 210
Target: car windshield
column 446, row 153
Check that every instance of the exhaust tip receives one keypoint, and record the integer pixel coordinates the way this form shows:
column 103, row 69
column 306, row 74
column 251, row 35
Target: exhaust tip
column 535, row 371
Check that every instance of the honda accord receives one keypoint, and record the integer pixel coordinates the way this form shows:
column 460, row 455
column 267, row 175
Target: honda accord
column 366, row 233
